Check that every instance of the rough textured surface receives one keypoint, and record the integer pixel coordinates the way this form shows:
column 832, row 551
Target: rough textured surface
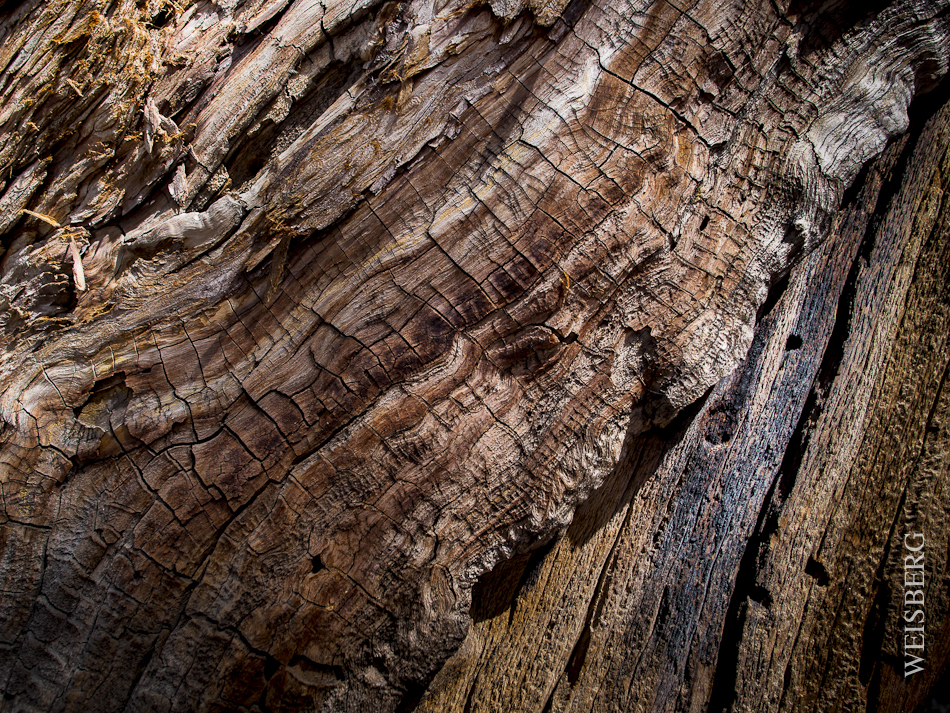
column 375, row 295
column 750, row 557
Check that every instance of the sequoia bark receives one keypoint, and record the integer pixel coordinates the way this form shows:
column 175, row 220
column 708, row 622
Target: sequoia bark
column 315, row 313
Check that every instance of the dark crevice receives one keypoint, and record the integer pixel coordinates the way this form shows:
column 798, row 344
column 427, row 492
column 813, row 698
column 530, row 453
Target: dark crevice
column 816, row 570
column 760, row 594
column 469, row 699
column 573, row 12
column 723, row 694
column 872, row 638
column 238, row 45
column 795, row 451
column 309, row 665
column 410, row 699
column 576, row 661
column 247, row 158
column 775, row 294
column 569, row 339
column 850, row 197
column 162, row 18
column 793, row 342
column 721, row 422
column 822, row 24
column 497, row 590
column 533, row 569
column 71, row 294
column 271, row 666
column 662, row 620
column 269, row 24
column 262, row 702
column 102, row 388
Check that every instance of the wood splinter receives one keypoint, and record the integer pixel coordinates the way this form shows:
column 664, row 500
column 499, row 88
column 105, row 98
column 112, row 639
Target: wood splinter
column 78, row 275
column 45, row 218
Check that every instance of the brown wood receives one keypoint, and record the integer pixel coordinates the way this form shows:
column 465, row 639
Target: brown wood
column 376, row 296
column 750, row 556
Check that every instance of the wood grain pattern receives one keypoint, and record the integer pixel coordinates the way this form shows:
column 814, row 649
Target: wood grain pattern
column 376, row 294
column 750, row 557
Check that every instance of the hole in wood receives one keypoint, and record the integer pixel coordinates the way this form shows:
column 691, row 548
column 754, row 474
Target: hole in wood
column 815, row 569
column 761, row 595
column 162, row 18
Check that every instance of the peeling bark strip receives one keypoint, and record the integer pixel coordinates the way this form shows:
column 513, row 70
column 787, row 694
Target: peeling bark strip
column 374, row 296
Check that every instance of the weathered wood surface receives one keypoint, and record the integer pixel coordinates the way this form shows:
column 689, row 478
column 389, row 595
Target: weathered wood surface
column 374, row 296
column 751, row 557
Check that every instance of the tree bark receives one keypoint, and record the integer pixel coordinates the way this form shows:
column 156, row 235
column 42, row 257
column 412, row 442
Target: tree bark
column 318, row 317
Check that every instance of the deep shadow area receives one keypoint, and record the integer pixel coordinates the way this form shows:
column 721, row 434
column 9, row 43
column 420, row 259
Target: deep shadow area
column 497, row 590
